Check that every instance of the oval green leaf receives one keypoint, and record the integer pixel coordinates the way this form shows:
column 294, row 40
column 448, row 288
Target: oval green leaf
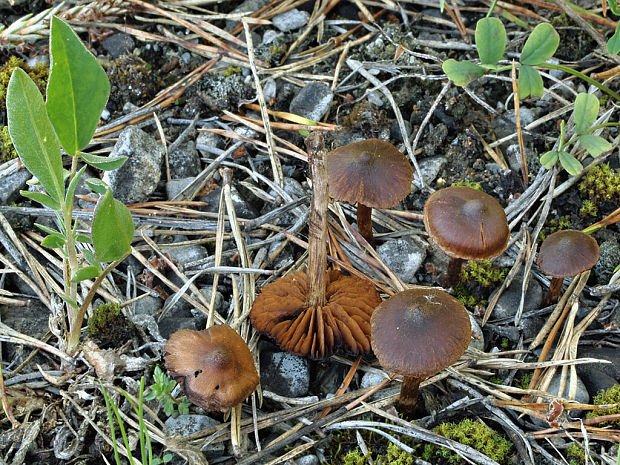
column 595, row 145
column 53, row 242
column 585, row 112
column 490, row 40
column 77, row 90
column 42, row 198
column 88, row 272
column 570, row 163
column 549, row 159
column 461, row 72
column 540, row 45
column 97, row 185
column 530, row 82
column 613, row 44
column 33, row 135
column 112, row 229
column 103, row 163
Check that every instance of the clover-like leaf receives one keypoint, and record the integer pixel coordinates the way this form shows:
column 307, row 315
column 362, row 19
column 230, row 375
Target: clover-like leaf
column 461, row 72
column 570, row 163
column 585, row 112
column 490, row 40
column 530, row 82
column 549, row 159
column 540, row 45
column 88, row 272
column 613, row 44
column 595, row 145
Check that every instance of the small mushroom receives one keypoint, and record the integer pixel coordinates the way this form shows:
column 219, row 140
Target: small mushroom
column 417, row 333
column 564, row 254
column 215, row 365
column 316, row 313
column 371, row 173
column 466, row 224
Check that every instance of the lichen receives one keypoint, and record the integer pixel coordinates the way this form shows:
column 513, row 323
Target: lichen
column 470, row 433
column 606, row 397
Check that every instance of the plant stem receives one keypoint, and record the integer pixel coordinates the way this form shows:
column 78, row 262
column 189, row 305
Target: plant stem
column 409, row 395
column 453, row 273
column 364, row 223
column 74, row 332
column 317, row 234
column 588, row 79
column 70, row 261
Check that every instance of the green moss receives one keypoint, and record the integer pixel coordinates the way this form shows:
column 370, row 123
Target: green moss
column 555, row 224
column 588, row 209
column 109, row 326
column 471, row 184
column 601, row 185
column 7, row 151
column 524, row 381
column 232, row 70
column 609, row 396
column 38, row 74
column 354, row 457
column 575, row 454
column 470, row 433
column 462, row 294
column 483, row 273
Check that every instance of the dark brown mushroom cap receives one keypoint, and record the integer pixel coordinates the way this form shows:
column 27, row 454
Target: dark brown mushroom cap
column 567, row 253
column 419, row 332
column 215, row 364
column 466, row 223
column 341, row 325
column 371, row 172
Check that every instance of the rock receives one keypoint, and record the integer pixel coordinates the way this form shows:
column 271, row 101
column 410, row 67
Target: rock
column 32, row 320
column 118, row 44
column 594, row 379
column 174, row 186
column 430, row 168
column 184, row 425
column 395, row 132
column 403, row 256
column 611, row 354
column 477, row 337
column 184, row 162
column 513, row 157
column 285, row 374
column 581, row 395
column 312, row 101
column 209, row 143
column 148, row 305
column 186, row 253
column 169, row 325
column 370, row 379
column 307, row 460
column 242, row 207
column 291, row 20
column 12, row 184
column 508, row 303
column 136, row 180
column 608, row 260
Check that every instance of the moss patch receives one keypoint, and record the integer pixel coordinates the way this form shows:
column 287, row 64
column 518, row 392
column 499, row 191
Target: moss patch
column 109, row 326
column 38, row 74
column 609, row 396
column 600, row 189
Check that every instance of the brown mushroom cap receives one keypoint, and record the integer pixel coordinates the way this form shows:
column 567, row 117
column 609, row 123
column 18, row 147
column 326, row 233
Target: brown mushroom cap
column 215, row 364
column 567, row 253
column 419, row 332
column 466, row 223
column 371, row 172
column 341, row 325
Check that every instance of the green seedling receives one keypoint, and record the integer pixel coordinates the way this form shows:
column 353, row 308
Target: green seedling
column 77, row 92
column 613, row 44
column 161, row 390
column 584, row 114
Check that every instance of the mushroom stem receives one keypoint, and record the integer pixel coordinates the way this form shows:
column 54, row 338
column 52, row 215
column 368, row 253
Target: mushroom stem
column 409, row 395
column 364, row 223
column 317, row 233
column 453, row 273
column 555, row 289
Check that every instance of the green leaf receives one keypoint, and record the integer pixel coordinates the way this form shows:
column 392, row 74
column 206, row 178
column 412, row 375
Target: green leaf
column 103, row 163
column 595, row 145
column 540, row 45
column 530, row 82
column 33, row 135
column 461, row 72
column 613, row 6
column 490, row 40
column 73, row 184
column 83, row 238
column 613, row 44
column 88, row 272
column 51, row 231
column 112, row 228
column 97, row 185
column 549, row 159
column 77, row 90
column 570, row 163
column 42, row 198
column 585, row 112
column 53, row 242
column 90, row 258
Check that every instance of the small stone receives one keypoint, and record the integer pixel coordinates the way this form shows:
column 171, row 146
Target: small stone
column 430, row 168
column 370, row 379
column 312, row 101
column 137, row 178
column 218, row 304
column 184, row 425
column 285, row 374
column 174, row 186
column 169, row 325
column 508, row 303
column 403, row 256
column 581, row 395
column 291, row 20
column 184, row 162
column 477, row 337
column 12, row 184
column 307, row 460
column 185, row 254
column 118, row 44
column 148, row 305
column 208, row 143
column 270, row 35
column 608, row 261
column 242, row 207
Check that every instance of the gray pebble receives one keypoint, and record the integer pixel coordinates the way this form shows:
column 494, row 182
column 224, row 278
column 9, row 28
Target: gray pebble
column 312, row 101
column 404, row 256
column 285, row 374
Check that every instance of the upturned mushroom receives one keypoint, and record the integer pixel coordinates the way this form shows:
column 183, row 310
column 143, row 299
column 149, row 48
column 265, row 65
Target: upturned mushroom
column 215, row 366
column 417, row 333
column 466, row 224
column 316, row 313
column 565, row 254
column 371, row 173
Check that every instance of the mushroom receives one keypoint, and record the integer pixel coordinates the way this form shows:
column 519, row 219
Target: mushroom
column 417, row 333
column 466, row 224
column 371, row 173
column 564, row 254
column 215, row 365
column 316, row 313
